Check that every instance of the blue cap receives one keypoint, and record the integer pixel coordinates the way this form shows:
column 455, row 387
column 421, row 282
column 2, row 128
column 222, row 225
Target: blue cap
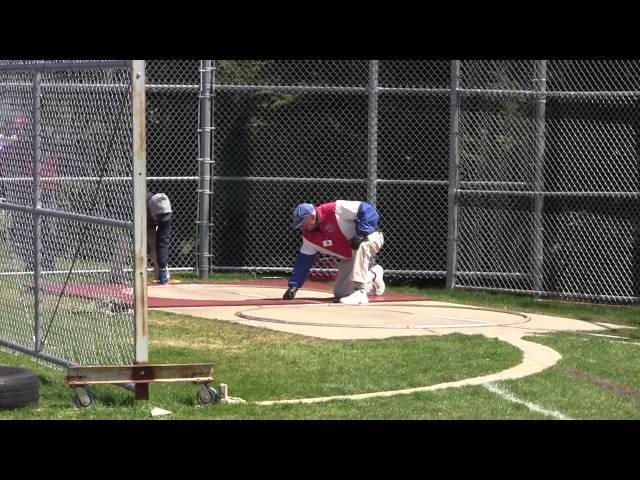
column 301, row 212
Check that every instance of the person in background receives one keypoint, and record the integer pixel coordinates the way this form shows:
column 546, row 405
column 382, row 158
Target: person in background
column 159, row 215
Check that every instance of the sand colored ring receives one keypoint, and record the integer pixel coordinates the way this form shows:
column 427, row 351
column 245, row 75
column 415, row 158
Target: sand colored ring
column 520, row 317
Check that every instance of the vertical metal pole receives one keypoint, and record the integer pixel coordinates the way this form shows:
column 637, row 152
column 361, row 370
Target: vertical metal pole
column 454, row 161
column 213, row 144
column 372, row 134
column 205, row 134
column 538, row 187
column 36, row 198
column 140, row 219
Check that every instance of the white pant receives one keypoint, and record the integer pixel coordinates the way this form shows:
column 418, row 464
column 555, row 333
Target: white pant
column 356, row 269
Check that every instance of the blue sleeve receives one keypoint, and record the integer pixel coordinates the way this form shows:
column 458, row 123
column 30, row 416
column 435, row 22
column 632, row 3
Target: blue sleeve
column 367, row 220
column 301, row 269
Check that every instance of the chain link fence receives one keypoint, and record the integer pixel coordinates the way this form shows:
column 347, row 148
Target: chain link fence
column 66, row 211
column 544, row 194
column 541, row 156
column 548, row 194
column 172, row 148
column 317, row 131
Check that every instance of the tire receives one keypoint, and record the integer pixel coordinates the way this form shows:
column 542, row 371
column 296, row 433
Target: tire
column 19, row 387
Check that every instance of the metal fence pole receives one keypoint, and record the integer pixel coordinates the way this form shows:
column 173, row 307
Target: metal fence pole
column 205, row 133
column 538, row 187
column 37, row 203
column 454, row 160
column 372, row 133
column 139, row 212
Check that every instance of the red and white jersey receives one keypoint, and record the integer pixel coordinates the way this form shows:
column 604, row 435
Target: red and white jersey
column 337, row 226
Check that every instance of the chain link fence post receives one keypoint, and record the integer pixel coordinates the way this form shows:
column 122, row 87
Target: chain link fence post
column 205, row 137
column 139, row 212
column 372, row 133
column 37, row 203
column 538, row 187
column 454, row 160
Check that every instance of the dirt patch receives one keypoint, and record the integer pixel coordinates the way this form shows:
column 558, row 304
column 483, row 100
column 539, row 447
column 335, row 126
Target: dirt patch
column 604, row 383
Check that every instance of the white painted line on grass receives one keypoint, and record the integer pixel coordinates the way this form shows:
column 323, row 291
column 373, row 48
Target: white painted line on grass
column 626, row 343
column 492, row 387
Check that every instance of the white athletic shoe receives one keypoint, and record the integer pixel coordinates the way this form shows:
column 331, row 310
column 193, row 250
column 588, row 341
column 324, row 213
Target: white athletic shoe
column 378, row 282
column 358, row 297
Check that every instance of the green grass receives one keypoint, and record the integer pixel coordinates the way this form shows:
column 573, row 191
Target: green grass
column 260, row 364
column 596, row 378
column 263, row 364
column 614, row 365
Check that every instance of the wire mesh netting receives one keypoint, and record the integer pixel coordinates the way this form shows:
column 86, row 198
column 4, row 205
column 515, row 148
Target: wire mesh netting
column 497, row 162
column 565, row 178
column 548, row 166
column 66, row 148
column 293, row 131
column 172, row 148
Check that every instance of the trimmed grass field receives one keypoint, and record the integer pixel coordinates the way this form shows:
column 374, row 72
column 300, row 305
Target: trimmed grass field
column 598, row 377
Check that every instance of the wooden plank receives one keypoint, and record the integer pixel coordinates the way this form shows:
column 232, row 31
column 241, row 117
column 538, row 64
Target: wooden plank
column 143, row 373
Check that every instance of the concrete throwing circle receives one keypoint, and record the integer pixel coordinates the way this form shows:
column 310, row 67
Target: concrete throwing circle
column 222, row 292
column 384, row 315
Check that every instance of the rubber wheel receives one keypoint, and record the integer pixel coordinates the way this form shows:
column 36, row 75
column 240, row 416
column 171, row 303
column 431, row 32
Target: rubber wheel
column 207, row 395
column 19, row 387
column 90, row 402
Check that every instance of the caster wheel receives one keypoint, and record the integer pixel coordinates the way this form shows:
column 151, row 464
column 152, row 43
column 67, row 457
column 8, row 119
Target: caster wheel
column 207, row 395
column 84, row 401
